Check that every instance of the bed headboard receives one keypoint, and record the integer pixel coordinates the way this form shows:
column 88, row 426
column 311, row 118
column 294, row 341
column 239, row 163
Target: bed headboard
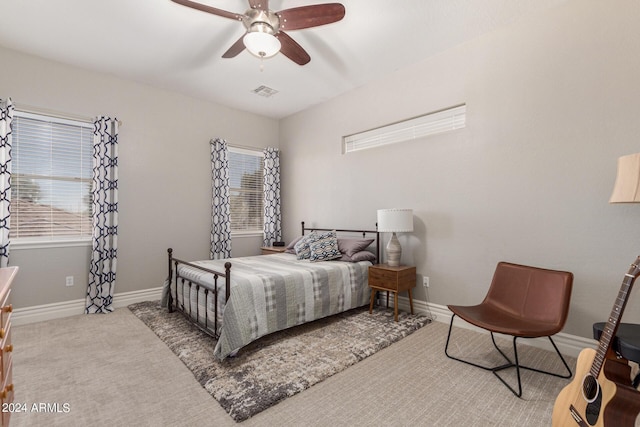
column 364, row 233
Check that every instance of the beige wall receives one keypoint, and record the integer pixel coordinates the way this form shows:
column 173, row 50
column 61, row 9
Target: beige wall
column 164, row 173
column 551, row 104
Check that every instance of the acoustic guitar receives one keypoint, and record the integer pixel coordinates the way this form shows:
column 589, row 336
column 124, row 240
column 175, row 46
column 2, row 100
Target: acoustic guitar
column 601, row 393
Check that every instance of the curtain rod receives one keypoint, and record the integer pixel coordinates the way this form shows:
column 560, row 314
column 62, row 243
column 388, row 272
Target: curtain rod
column 38, row 110
column 244, row 147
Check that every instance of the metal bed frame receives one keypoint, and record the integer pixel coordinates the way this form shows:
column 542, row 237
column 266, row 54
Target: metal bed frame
column 187, row 286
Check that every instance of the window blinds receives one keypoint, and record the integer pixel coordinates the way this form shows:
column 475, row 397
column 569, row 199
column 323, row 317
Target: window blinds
column 51, row 177
column 246, row 189
column 417, row 127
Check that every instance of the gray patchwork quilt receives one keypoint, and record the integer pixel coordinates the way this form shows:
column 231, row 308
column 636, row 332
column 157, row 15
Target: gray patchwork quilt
column 270, row 293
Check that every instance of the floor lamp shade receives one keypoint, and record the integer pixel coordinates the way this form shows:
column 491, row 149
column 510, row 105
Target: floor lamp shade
column 627, row 186
column 395, row 221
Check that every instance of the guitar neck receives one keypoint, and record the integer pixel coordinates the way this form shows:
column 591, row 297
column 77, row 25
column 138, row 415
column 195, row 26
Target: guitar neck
column 613, row 322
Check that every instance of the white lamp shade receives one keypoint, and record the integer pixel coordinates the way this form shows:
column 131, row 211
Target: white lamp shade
column 262, row 45
column 395, row 220
column 627, row 186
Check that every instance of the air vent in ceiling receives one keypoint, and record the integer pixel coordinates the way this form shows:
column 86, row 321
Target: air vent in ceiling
column 264, row 91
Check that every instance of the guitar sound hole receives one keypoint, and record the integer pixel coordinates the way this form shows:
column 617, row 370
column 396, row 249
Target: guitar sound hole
column 590, row 388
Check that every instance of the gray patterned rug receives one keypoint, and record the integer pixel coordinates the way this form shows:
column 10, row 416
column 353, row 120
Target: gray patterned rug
column 279, row 365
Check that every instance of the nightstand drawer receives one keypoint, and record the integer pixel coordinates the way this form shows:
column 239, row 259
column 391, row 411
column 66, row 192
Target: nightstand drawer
column 395, row 279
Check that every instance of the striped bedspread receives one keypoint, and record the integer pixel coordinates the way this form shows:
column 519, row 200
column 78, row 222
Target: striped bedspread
column 270, row 293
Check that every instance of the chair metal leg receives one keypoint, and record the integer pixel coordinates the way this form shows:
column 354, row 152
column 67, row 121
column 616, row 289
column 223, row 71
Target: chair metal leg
column 486, row 368
column 509, row 364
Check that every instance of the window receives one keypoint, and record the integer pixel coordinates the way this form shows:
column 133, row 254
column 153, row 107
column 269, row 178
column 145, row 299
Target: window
column 245, row 190
column 417, row 127
column 50, row 178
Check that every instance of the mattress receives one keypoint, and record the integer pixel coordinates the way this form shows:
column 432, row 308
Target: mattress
column 270, row 293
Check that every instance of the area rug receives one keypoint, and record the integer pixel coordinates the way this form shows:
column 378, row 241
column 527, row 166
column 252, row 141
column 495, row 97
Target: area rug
column 282, row 364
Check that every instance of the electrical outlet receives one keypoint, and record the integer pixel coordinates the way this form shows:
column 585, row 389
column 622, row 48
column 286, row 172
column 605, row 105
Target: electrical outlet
column 425, row 281
column 69, row 281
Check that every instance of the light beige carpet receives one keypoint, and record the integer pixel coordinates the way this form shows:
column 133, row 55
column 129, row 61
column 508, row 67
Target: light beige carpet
column 113, row 371
column 279, row 365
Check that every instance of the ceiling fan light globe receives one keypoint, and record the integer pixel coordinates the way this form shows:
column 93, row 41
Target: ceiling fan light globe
column 262, row 45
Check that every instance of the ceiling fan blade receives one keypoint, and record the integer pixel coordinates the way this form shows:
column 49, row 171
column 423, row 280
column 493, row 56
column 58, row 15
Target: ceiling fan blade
column 292, row 50
column 235, row 48
column 259, row 4
column 310, row 16
column 209, row 9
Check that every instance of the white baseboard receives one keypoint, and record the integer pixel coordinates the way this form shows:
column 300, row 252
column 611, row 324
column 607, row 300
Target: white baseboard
column 569, row 345
column 39, row 313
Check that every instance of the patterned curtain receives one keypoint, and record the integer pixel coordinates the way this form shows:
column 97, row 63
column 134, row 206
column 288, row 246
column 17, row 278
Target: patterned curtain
column 6, row 115
column 104, row 195
column 272, row 216
column 220, row 203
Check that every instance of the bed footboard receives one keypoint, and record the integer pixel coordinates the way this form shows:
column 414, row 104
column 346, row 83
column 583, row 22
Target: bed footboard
column 185, row 287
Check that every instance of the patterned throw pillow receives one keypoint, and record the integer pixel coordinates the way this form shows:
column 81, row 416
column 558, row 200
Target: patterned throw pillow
column 303, row 251
column 291, row 247
column 324, row 247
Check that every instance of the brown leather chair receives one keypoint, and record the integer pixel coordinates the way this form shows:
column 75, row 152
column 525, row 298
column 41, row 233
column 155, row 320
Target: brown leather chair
column 524, row 302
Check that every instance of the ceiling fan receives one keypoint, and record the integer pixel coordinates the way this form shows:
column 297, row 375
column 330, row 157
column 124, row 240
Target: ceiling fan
column 265, row 36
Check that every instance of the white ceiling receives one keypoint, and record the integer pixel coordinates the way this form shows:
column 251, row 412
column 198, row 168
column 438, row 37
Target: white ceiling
column 164, row 44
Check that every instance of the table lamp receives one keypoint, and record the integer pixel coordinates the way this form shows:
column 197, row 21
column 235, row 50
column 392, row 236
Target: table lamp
column 394, row 221
column 627, row 186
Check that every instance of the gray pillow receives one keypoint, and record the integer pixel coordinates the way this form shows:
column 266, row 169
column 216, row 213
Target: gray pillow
column 359, row 256
column 350, row 247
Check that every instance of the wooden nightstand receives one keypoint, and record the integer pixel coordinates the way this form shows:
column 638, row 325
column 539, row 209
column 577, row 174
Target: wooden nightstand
column 383, row 277
column 270, row 250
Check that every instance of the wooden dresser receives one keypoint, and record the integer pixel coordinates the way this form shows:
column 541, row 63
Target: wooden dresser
column 6, row 348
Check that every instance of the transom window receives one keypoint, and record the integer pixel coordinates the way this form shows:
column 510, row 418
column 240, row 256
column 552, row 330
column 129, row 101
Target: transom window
column 50, row 178
column 406, row 130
